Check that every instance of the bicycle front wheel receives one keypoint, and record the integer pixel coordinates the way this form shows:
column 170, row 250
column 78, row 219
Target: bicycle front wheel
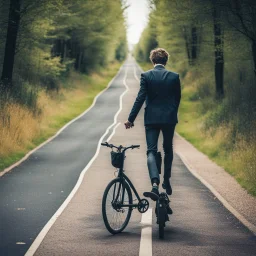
column 115, row 215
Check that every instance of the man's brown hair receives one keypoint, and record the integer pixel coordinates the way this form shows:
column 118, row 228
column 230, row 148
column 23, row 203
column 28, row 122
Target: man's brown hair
column 159, row 56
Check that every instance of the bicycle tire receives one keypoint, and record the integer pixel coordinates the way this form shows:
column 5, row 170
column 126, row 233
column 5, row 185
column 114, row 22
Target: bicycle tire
column 107, row 223
column 161, row 215
column 161, row 230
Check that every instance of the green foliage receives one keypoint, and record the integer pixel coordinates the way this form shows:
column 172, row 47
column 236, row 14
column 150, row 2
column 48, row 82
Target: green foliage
column 56, row 35
column 238, row 109
column 121, row 50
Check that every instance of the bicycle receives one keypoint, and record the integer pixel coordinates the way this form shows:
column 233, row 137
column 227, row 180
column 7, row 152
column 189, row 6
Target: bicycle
column 117, row 201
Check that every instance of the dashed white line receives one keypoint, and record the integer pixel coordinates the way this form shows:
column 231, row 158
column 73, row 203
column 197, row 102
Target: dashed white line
column 146, row 234
column 135, row 74
column 113, row 132
column 121, row 97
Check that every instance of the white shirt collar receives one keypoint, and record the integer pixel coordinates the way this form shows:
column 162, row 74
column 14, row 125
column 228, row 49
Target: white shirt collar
column 159, row 64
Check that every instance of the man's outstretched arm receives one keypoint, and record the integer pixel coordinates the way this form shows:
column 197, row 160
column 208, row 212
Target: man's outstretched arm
column 139, row 100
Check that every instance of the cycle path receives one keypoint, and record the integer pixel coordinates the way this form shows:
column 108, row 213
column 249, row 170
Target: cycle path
column 200, row 225
column 80, row 229
column 33, row 191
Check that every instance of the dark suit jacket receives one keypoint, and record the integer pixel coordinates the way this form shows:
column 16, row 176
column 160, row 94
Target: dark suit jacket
column 161, row 90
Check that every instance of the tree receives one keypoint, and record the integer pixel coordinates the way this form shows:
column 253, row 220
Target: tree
column 218, row 48
column 48, row 37
column 10, row 45
column 191, row 43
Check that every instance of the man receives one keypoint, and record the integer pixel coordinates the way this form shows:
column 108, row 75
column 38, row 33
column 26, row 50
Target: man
column 161, row 90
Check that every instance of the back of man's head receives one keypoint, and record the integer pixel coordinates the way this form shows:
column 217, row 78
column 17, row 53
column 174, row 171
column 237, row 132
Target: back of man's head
column 159, row 56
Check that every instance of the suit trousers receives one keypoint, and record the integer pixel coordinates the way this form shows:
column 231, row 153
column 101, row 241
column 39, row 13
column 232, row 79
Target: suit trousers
column 152, row 135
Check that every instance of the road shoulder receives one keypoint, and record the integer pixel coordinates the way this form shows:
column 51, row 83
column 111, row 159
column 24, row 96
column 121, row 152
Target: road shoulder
column 218, row 179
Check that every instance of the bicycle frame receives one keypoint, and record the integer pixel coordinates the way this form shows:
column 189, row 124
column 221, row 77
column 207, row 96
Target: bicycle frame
column 125, row 184
column 124, row 178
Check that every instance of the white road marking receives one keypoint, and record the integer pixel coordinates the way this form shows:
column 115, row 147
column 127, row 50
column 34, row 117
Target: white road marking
column 49, row 224
column 135, row 74
column 113, row 132
column 225, row 203
column 146, row 234
column 64, row 127
column 139, row 67
column 121, row 97
column 120, row 106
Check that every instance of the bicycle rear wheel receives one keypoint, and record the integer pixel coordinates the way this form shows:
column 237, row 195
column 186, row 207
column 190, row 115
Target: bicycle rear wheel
column 161, row 230
column 114, row 215
column 161, row 218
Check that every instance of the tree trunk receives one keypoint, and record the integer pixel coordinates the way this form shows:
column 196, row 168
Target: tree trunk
column 78, row 61
column 64, row 54
column 69, row 48
column 218, row 49
column 10, row 45
column 254, row 55
column 194, row 44
column 187, row 44
column 56, row 49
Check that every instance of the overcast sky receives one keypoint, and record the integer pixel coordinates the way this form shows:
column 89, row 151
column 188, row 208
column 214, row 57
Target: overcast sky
column 137, row 15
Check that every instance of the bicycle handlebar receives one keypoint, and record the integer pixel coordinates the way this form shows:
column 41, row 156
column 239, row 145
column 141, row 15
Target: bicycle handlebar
column 120, row 147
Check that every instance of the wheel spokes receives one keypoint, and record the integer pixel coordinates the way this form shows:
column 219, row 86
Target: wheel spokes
column 116, row 214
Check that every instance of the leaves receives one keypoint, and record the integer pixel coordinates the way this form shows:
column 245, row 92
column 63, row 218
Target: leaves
column 53, row 34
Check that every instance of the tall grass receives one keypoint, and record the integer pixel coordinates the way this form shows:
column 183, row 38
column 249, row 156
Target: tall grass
column 226, row 128
column 18, row 127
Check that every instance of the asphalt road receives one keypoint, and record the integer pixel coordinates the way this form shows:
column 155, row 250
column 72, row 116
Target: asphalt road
column 32, row 192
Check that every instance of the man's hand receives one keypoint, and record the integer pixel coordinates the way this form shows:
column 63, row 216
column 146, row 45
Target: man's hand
column 128, row 124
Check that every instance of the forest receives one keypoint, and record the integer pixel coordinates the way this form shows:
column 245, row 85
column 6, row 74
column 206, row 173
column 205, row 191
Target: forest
column 212, row 45
column 48, row 48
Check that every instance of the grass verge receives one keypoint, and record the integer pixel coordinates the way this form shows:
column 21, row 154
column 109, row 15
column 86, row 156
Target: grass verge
column 26, row 132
